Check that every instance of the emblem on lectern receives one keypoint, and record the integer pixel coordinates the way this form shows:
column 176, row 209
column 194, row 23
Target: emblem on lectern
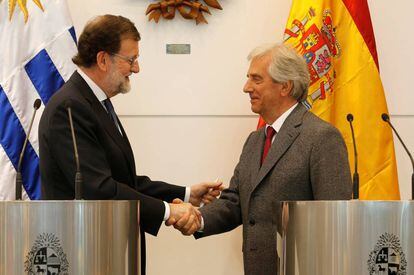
column 387, row 258
column 46, row 257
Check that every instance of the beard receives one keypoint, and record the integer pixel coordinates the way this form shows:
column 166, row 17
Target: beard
column 120, row 83
column 124, row 87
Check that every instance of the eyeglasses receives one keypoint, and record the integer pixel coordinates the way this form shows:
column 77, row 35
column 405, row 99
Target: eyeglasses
column 131, row 60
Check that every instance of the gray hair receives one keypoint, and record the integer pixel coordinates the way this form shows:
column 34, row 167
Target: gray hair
column 286, row 64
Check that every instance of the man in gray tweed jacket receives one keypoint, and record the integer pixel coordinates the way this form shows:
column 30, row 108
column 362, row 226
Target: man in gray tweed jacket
column 297, row 156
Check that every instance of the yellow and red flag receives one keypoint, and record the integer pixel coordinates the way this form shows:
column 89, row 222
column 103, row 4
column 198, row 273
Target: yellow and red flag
column 336, row 39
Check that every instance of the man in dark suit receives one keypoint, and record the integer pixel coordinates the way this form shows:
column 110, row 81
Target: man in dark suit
column 107, row 55
column 297, row 156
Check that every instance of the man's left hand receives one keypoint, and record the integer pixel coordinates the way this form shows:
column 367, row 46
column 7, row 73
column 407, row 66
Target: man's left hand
column 205, row 192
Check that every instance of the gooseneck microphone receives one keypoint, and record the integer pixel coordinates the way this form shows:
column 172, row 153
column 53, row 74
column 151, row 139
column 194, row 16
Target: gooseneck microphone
column 19, row 180
column 386, row 118
column 355, row 178
column 78, row 175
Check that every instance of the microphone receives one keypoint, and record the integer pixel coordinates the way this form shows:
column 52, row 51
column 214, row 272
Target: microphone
column 386, row 118
column 355, row 178
column 19, row 179
column 78, row 175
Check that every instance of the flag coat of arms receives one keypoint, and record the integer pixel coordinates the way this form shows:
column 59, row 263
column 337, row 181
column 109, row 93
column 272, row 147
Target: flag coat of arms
column 336, row 39
column 37, row 44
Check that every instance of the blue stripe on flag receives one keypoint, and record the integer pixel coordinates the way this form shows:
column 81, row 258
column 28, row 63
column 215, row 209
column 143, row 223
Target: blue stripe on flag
column 12, row 137
column 73, row 33
column 44, row 75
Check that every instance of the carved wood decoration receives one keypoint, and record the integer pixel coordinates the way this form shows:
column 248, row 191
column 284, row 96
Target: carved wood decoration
column 189, row 9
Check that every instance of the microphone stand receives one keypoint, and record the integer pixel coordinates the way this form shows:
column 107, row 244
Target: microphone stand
column 78, row 175
column 19, row 179
column 386, row 118
column 355, row 178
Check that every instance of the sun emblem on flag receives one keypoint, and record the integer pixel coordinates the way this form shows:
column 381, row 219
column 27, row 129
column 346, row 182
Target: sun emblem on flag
column 22, row 5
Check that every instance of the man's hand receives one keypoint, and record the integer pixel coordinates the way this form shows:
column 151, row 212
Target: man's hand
column 205, row 192
column 184, row 217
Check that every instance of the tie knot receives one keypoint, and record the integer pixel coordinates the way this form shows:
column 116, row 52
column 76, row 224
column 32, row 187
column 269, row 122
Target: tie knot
column 270, row 132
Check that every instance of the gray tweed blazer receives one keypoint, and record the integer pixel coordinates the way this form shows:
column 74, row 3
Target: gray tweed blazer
column 307, row 161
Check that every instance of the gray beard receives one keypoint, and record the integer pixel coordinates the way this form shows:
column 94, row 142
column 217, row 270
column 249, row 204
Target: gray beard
column 123, row 86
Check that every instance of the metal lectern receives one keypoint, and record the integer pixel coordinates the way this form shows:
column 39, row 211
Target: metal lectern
column 69, row 237
column 347, row 238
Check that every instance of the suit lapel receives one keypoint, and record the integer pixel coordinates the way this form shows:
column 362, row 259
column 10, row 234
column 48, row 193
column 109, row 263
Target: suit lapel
column 130, row 154
column 257, row 154
column 111, row 128
column 287, row 134
column 103, row 116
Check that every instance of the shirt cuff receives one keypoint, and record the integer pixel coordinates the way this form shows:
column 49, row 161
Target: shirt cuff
column 167, row 211
column 201, row 225
column 187, row 194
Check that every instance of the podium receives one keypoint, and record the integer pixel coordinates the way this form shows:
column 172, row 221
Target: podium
column 69, row 237
column 347, row 237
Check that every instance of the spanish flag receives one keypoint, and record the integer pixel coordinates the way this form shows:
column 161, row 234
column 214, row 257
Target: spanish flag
column 336, row 39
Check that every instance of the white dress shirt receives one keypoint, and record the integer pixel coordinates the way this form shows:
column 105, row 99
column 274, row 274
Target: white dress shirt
column 279, row 122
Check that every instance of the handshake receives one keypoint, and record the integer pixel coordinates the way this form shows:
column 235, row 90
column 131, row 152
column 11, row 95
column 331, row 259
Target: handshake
column 185, row 217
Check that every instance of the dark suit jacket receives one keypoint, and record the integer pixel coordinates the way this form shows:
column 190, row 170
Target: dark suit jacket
column 307, row 161
column 106, row 158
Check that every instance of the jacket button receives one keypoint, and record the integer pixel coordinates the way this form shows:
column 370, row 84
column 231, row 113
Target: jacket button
column 252, row 222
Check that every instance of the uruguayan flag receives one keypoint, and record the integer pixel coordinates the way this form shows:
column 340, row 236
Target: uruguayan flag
column 37, row 42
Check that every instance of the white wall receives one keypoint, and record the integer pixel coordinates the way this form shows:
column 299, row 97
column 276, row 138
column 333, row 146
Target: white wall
column 187, row 117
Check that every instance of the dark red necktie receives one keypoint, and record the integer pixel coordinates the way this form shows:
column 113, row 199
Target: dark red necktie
column 270, row 132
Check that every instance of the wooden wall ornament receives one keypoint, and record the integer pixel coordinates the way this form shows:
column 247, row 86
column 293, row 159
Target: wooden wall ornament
column 189, row 9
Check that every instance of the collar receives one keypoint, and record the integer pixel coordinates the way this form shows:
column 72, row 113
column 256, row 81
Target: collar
column 279, row 122
column 97, row 91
